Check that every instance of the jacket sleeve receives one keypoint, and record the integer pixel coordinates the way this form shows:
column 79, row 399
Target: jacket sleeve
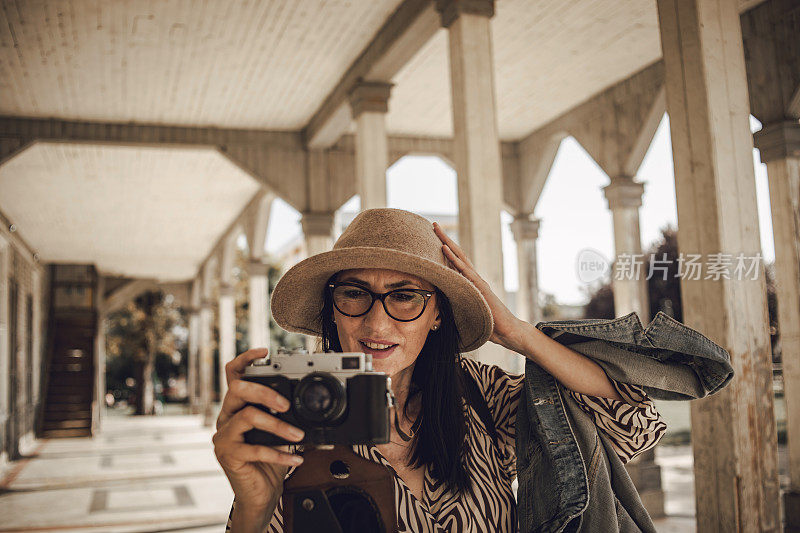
column 633, row 426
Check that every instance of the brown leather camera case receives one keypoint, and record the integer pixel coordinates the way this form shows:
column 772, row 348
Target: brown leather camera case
column 317, row 474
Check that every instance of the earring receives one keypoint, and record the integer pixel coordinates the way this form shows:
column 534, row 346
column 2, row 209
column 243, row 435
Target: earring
column 434, row 328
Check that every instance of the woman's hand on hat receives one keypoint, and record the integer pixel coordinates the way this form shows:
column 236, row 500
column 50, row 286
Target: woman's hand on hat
column 506, row 325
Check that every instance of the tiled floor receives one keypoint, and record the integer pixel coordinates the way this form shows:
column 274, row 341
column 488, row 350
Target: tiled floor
column 143, row 474
column 140, row 474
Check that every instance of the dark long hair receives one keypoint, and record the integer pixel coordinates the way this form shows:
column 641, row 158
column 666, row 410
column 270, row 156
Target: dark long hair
column 440, row 442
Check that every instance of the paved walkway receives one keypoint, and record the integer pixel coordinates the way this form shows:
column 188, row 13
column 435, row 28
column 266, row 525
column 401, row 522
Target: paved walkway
column 140, row 474
column 145, row 474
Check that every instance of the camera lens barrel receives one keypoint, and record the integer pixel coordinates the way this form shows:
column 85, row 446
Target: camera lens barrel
column 319, row 398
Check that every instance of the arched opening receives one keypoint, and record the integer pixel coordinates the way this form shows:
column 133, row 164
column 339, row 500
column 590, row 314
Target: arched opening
column 574, row 217
column 284, row 233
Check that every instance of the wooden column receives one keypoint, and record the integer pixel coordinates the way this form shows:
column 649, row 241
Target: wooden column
column 779, row 146
column 98, row 414
column 227, row 309
column 258, row 304
column 629, row 281
column 192, row 363
column 5, row 353
column 476, row 148
column 772, row 57
column 227, row 332
column 256, row 224
column 629, row 284
column 318, row 231
column 733, row 432
column 318, row 218
column 526, row 230
column 206, row 339
column 38, row 333
column 370, row 102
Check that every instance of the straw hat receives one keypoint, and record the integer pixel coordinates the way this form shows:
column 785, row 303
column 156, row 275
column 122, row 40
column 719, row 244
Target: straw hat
column 381, row 238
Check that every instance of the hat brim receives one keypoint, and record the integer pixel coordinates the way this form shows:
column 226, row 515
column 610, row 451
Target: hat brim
column 298, row 296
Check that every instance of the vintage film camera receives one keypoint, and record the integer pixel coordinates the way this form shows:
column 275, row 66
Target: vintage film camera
column 336, row 398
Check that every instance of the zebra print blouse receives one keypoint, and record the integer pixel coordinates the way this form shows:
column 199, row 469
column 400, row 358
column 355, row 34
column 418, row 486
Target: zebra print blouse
column 632, row 426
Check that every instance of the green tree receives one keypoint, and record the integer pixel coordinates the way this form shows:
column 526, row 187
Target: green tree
column 549, row 306
column 141, row 342
column 601, row 302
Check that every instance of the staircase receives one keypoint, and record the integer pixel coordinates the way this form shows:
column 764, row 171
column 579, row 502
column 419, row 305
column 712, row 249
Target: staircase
column 69, row 389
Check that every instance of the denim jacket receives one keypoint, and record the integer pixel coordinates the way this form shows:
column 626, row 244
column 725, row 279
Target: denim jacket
column 570, row 478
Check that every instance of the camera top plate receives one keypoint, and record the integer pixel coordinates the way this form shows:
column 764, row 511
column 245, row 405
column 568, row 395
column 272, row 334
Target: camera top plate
column 298, row 364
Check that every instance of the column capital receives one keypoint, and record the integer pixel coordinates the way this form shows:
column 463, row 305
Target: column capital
column 525, row 228
column 226, row 289
column 317, row 223
column 778, row 140
column 370, row 96
column 450, row 10
column 623, row 192
column 256, row 268
column 191, row 310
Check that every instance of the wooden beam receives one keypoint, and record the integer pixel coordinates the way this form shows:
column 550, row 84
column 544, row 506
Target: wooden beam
column 610, row 125
column 236, row 226
column 794, row 103
column 647, row 131
column 9, row 147
column 772, row 57
column 537, row 155
column 125, row 293
column 270, row 157
column 405, row 32
column 133, row 134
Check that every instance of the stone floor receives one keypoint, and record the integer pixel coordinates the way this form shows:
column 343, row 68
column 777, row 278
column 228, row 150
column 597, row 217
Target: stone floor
column 143, row 474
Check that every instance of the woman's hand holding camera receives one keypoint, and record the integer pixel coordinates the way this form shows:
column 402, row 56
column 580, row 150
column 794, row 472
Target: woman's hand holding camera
column 255, row 472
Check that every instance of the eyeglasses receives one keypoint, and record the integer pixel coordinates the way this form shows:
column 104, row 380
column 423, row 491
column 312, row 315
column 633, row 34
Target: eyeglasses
column 403, row 305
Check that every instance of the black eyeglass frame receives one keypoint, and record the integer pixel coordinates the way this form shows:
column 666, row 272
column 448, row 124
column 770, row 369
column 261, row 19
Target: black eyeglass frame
column 426, row 294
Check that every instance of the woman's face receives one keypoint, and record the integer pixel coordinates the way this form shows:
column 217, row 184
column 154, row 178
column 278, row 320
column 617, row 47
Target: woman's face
column 376, row 326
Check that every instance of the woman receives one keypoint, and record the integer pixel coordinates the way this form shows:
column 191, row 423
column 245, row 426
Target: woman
column 450, row 473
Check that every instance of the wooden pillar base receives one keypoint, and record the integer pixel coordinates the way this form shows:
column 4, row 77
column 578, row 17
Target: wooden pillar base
column 791, row 511
column 646, row 476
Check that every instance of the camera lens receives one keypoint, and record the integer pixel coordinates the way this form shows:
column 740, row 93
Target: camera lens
column 319, row 399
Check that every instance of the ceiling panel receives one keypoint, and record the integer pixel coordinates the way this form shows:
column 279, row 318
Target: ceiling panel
column 245, row 63
column 550, row 55
column 136, row 212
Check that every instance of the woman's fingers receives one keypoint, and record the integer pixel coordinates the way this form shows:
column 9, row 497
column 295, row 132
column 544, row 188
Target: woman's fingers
column 235, row 368
column 457, row 258
column 264, row 454
column 466, row 270
column 254, row 418
column 457, row 263
column 459, row 253
column 240, row 393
